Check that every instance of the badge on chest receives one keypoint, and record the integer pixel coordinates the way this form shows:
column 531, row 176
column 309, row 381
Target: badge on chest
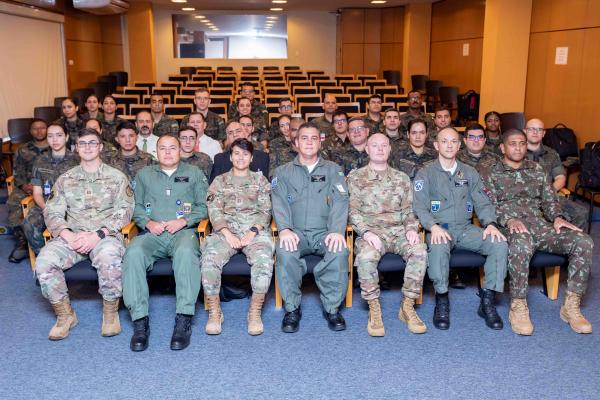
column 317, row 178
column 461, row 182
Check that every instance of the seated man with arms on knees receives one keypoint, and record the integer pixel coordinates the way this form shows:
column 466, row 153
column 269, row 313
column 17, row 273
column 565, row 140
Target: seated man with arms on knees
column 239, row 208
column 476, row 153
column 446, row 192
column 531, row 218
column 170, row 201
column 187, row 141
column 24, row 159
column 85, row 213
column 46, row 170
column 310, row 206
column 381, row 213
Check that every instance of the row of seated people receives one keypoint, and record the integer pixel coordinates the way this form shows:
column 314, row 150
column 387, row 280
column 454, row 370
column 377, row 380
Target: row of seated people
column 311, row 201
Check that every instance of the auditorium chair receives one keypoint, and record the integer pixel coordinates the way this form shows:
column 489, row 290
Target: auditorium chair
column 351, row 84
column 326, row 83
column 296, row 77
column 47, row 113
column 249, row 68
column 314, row 78
column 324, row 90
column 432, row 88
column 171, row 84
column 58, row 101
column 270, row 68
column 358, row 91
column 203, row 68
column 101, row 89
column 224, row 68
column 183, row 78
column 383, row 90
column 112, row 82
column 18, row 130
column 140, row 91
column 126, row 100
column 183, row 99
column 122, row 77
column 168, row 93
column 145, row 84
column 374, row 83
column 187, row 70
column 299, row 90
column 178, row 109
column 366, row 77
column 220, row 109
column 418, row 82
column 79, row 96
column 312, row 72
column 512, row 120
column 291, row 68
column 349, row 107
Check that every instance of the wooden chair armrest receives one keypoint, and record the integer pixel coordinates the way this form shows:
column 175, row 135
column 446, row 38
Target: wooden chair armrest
column 47, row 236
column 203, row 229
column 564, row 192
column 274, row 228
column 129, row 231
column 10, row 183
column 26, row 205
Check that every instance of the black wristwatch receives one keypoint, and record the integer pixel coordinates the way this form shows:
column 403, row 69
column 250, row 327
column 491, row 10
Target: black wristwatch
column 100, row 234
column 254, row 229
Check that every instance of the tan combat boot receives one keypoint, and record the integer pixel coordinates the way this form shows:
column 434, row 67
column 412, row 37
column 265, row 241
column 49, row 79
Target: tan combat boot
column 571, row 314
column 111, row 325
column 408, row 314
column 215, row 316
column 255, row 325
column 375, row 325
column 518, row 316
column 65, row 320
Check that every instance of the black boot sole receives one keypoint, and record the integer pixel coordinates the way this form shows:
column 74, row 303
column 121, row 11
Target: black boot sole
column 180, row 345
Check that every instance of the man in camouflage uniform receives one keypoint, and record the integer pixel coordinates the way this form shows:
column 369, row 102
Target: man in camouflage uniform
column 45, row 172
column 412, row 156
column 441, row 120
column 128, row 158
column 373, row 118
column 476, row 153
column 391, row 124
column 414, row 111
column 239, row 209
column 339, row 139
column 353, row 155
column 286, row 107
column 381, row 214
column 215, row 125
column 25, row 157
column 282, row 149
column 549, row 159
column 187, row 141
column 88, row 207
column 531, row 218
column 163, row 124
column 446, row 193
column 258, row 110
column 325, row 122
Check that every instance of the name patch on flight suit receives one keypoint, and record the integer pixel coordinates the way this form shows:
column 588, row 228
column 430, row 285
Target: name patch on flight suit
column 435, row 206
column 461, row 182
column 469, row 207
column 182, row 179
column 317, row 178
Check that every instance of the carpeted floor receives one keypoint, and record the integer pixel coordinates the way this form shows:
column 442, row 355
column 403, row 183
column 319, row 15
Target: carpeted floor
column 469, row 361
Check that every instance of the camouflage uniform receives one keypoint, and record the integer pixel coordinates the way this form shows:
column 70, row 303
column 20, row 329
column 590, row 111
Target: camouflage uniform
column 331, row 145
column 374, row 126
column 215, row 125
column 549, row 159
column 109, row 130
column 85, row 202
column 281, row 152
column 406, row 160
column 349, row 158
column 325, row 127
column 238, row 203
column 45, row 173
column 274, row 131
column 86, row 115
column 129, row 165
column 486, row 159
column 259, row 114
column 381, row 203
column 407, row 117
column 493, row 145
column 166, row 126
column 526, row 194
column 200, row 160
column 25, row 157
column 72, row 129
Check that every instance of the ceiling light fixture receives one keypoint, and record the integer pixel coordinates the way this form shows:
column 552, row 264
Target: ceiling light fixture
column 279, row 1
column 199, row 16
column 378, row 1
column 178, row 1
column 188, row 9
column 276, row 9
column 272, row 17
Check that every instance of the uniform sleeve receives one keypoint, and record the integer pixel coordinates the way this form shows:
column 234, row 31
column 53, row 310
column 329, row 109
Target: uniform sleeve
column 199, row 210
column 122, row 207
column 56, row 209
column 36, row 179
column 282, row 212
column 550, row 205
column 264, row 203
column 486, row 212
column 421, row 200
column 20, row 172
column 173, row 128
column 556, row 168
column 338, row 213
column 504, row 210
column 408, row 218
column 139, row 211
column 355, row 217
column 215, row 202
column 221, row 135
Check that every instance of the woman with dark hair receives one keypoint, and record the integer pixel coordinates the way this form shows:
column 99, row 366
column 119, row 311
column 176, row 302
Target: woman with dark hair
column 109, row 120
column 239, row 209
column 70, row 120
column 493, row 133
column 92, row 105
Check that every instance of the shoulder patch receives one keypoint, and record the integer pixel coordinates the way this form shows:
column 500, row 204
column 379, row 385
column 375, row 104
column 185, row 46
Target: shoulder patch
column 210, row 198
column 274, row 183
column 419, row 183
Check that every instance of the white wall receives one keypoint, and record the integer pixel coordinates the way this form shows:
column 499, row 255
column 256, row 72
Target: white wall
column 311, row 44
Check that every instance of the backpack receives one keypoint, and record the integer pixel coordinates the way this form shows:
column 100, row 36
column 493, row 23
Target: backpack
column 563, row 140
column 590, row 166
column 468, row 106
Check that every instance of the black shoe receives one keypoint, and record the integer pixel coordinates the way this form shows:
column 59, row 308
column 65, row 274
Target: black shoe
column 487, row 310
column 141, row 331
column 291, row 321
column 229, row 292
column 455, row 281
column 335, row 321
column 181, row 332
column 441, row 313
column 20, row 251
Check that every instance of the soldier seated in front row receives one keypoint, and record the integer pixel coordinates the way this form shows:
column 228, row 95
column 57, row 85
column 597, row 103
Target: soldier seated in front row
column 381, row 214
column 531, row 218
column 85, row 213
column 446, row 193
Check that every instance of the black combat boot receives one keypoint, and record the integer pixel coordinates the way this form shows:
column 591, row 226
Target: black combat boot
column 291, row 321
column 141, row 332
column 20, row 251
column 181, row 332
column 487, row 309
column 441, row 313
column 335, row 320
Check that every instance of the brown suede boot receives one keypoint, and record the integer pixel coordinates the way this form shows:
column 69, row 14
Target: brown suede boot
column 571, row 314
column 65, row 320
column 255, row 325
column 375, row 325
column 215, row 316
column 408, row 314
column 518, row 316
column 111, row 325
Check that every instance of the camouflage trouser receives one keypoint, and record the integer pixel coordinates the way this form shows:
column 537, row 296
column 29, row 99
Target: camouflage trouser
column 542, row 236
column 575, row 213
column 33, row 227
column 57, row 256
column 367, row 259
column 216, row 252
column 15, row 212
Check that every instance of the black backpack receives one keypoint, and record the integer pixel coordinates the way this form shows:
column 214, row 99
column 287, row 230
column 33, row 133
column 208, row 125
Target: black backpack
column 468, row 106
column 590, row 166
column 563, row 140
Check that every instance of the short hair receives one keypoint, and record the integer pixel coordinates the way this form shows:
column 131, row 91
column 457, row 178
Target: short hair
column 37, row 120
column 202, row 90
column 283, row 116
column 441, row 108
column 354, row 119
column 490, row 113
column 61, row 126
column 157, row 94
column 89, row 131
column 511, row 132
column 244, row 98
column 417, row 121
column 188, row 128
column 243, row 144
column 285, row 99
column 329, row 94
column 164, row 137
column 141, row 112
column 109, row 96
column 92, row 119
column 72, row 100
column 126, row 125
column 337, row 113
column 197, row 113
column 247, row 83
column 389, row 110
column 413, row 90
column 92, row 95
column 474, row 127
column 309, row 125
column 375, row 96
column 298, row 120
column 239, row 119
column 231, row 121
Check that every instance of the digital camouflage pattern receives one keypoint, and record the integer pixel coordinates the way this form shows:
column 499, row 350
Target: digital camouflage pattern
column 485, row 160
column 72, row 128
column 374, row 126
column 407, row 117
column 215, row 125
column 325, row 127
column 350, row 158
column 129, row 165
column 109, row 130
column 200, row 160
column 280, row 152
column 331, row 145
column 406, row 160
column 259, row 114
column 166, row 126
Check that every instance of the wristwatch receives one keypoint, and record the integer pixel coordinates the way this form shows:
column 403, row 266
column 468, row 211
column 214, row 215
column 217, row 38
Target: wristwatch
column 100, row 234
column 254, row 229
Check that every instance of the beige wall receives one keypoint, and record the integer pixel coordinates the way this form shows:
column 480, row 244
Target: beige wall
column 311, row 44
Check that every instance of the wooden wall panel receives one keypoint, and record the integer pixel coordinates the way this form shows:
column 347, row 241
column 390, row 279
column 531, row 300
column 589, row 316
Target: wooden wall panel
column 457, row 19
column 398, row 13
column 450, row 66
column 372, row 26
column 371, row 58
column 352, row 58
column 387, row 27
column 353, row 21
column 552, row 15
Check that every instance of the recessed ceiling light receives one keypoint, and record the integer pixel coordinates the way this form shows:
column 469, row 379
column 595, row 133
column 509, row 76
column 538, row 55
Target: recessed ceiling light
column 378, row 1
column 279, row 1
column 272, row 17
column 205, row 20
column 199, row 16
column 188, row 9
column 178, row 1
column 276, row 9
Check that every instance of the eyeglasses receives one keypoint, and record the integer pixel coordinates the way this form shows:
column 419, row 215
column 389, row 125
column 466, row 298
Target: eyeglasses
column 91, row 144
column 288, row 107
column 475, row 138
column 534, row 130
column 340, row 121
column 357, row 129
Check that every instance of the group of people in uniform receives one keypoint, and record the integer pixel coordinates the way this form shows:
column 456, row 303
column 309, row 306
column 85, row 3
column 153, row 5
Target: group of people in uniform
column 407, row 184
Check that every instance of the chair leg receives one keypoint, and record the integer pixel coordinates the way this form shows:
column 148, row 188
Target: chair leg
column 278, row 300
column 552, row 281
column 349, row 288
column 31, row 258
column 481, row 277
